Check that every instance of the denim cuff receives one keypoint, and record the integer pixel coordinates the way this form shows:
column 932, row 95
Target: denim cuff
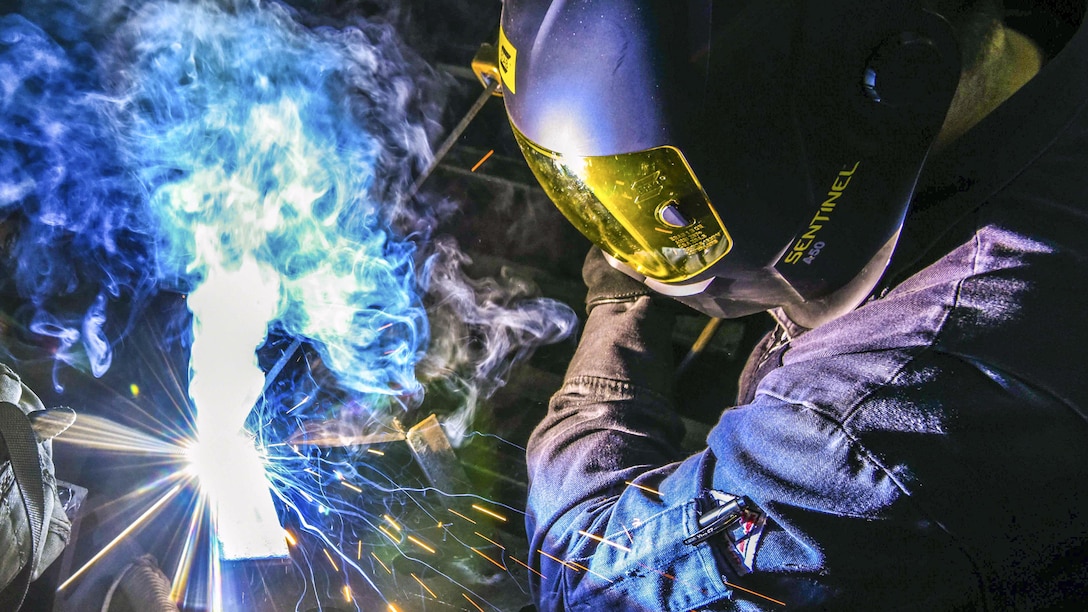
column 628, row 341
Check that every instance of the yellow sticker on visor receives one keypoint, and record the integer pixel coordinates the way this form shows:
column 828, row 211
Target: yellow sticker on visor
column 508, row 62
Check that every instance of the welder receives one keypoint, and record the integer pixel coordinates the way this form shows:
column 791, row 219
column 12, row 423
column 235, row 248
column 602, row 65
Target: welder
column 902, row 185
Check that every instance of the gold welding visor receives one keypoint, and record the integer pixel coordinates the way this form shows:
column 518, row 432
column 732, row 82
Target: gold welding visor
column 646, row 209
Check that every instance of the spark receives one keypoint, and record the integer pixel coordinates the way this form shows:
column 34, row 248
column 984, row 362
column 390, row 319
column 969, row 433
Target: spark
column 472, row 602
column 301, row 403
column 375, row 451
column 347, row 593
column 482, row 160
column 490, row 540
column 392, row 523
column 729, row 584
column 425, row 587
column 384, row 566
column 726, row 582
column 604, row 541
column 493, row 562
column 359, row 551
column 647, row 489
column 331, row 560
column 461, row 515
column 291, row 541
column 488, row 512
column 559, row 561
column 143, row 518
column 605, row 578
column 351, row 486
column 578, row 567
column 420, row 543
column 526, row 566
column 381, row 528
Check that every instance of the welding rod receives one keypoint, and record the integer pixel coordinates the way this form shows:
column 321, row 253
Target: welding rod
column 279, row 365
column 700, row 345
column 452, row 138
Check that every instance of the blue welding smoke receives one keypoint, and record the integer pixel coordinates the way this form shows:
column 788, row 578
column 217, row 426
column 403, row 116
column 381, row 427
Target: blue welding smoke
column 258, row 138
column 144, row 143
column 77, row 236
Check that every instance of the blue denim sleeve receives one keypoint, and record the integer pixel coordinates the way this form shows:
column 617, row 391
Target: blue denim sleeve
column 612, row 498
column 608, row 503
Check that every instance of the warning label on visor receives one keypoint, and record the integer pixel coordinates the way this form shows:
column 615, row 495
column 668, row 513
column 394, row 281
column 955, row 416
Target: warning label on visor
column 694, row 239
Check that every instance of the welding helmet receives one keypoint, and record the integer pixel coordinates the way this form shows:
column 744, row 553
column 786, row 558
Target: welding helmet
column 737, row 155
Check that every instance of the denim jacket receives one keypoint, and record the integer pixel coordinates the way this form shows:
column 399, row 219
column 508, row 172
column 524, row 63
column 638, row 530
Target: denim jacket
column 927, row 451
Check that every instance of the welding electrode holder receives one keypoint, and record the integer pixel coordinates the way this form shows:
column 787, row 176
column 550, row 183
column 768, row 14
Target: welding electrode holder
column 485, row 64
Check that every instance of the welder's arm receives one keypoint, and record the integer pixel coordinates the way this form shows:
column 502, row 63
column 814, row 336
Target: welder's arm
column 612, row 424
column 612, row 419
column 614, row 505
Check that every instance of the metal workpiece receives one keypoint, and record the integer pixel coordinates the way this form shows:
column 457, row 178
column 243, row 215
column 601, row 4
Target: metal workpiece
column 434, row 454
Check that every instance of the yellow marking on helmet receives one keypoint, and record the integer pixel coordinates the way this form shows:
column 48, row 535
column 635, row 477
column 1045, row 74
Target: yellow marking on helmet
column 818, row 220
column 508, row 62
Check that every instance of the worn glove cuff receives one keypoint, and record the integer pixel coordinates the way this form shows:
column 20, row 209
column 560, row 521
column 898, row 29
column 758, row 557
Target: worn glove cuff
column 607, row 285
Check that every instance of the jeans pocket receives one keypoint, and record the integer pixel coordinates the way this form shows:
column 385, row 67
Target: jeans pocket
column 643, row 564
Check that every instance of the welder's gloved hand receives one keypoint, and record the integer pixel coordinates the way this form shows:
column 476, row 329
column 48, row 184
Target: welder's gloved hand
column 34, row 528
column 608, row 285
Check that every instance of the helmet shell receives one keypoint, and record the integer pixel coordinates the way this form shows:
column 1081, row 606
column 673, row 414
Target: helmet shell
column 807, row 123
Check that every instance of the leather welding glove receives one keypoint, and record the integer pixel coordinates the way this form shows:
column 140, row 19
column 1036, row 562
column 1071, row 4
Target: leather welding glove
column 34, row 528
column 607, row 285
